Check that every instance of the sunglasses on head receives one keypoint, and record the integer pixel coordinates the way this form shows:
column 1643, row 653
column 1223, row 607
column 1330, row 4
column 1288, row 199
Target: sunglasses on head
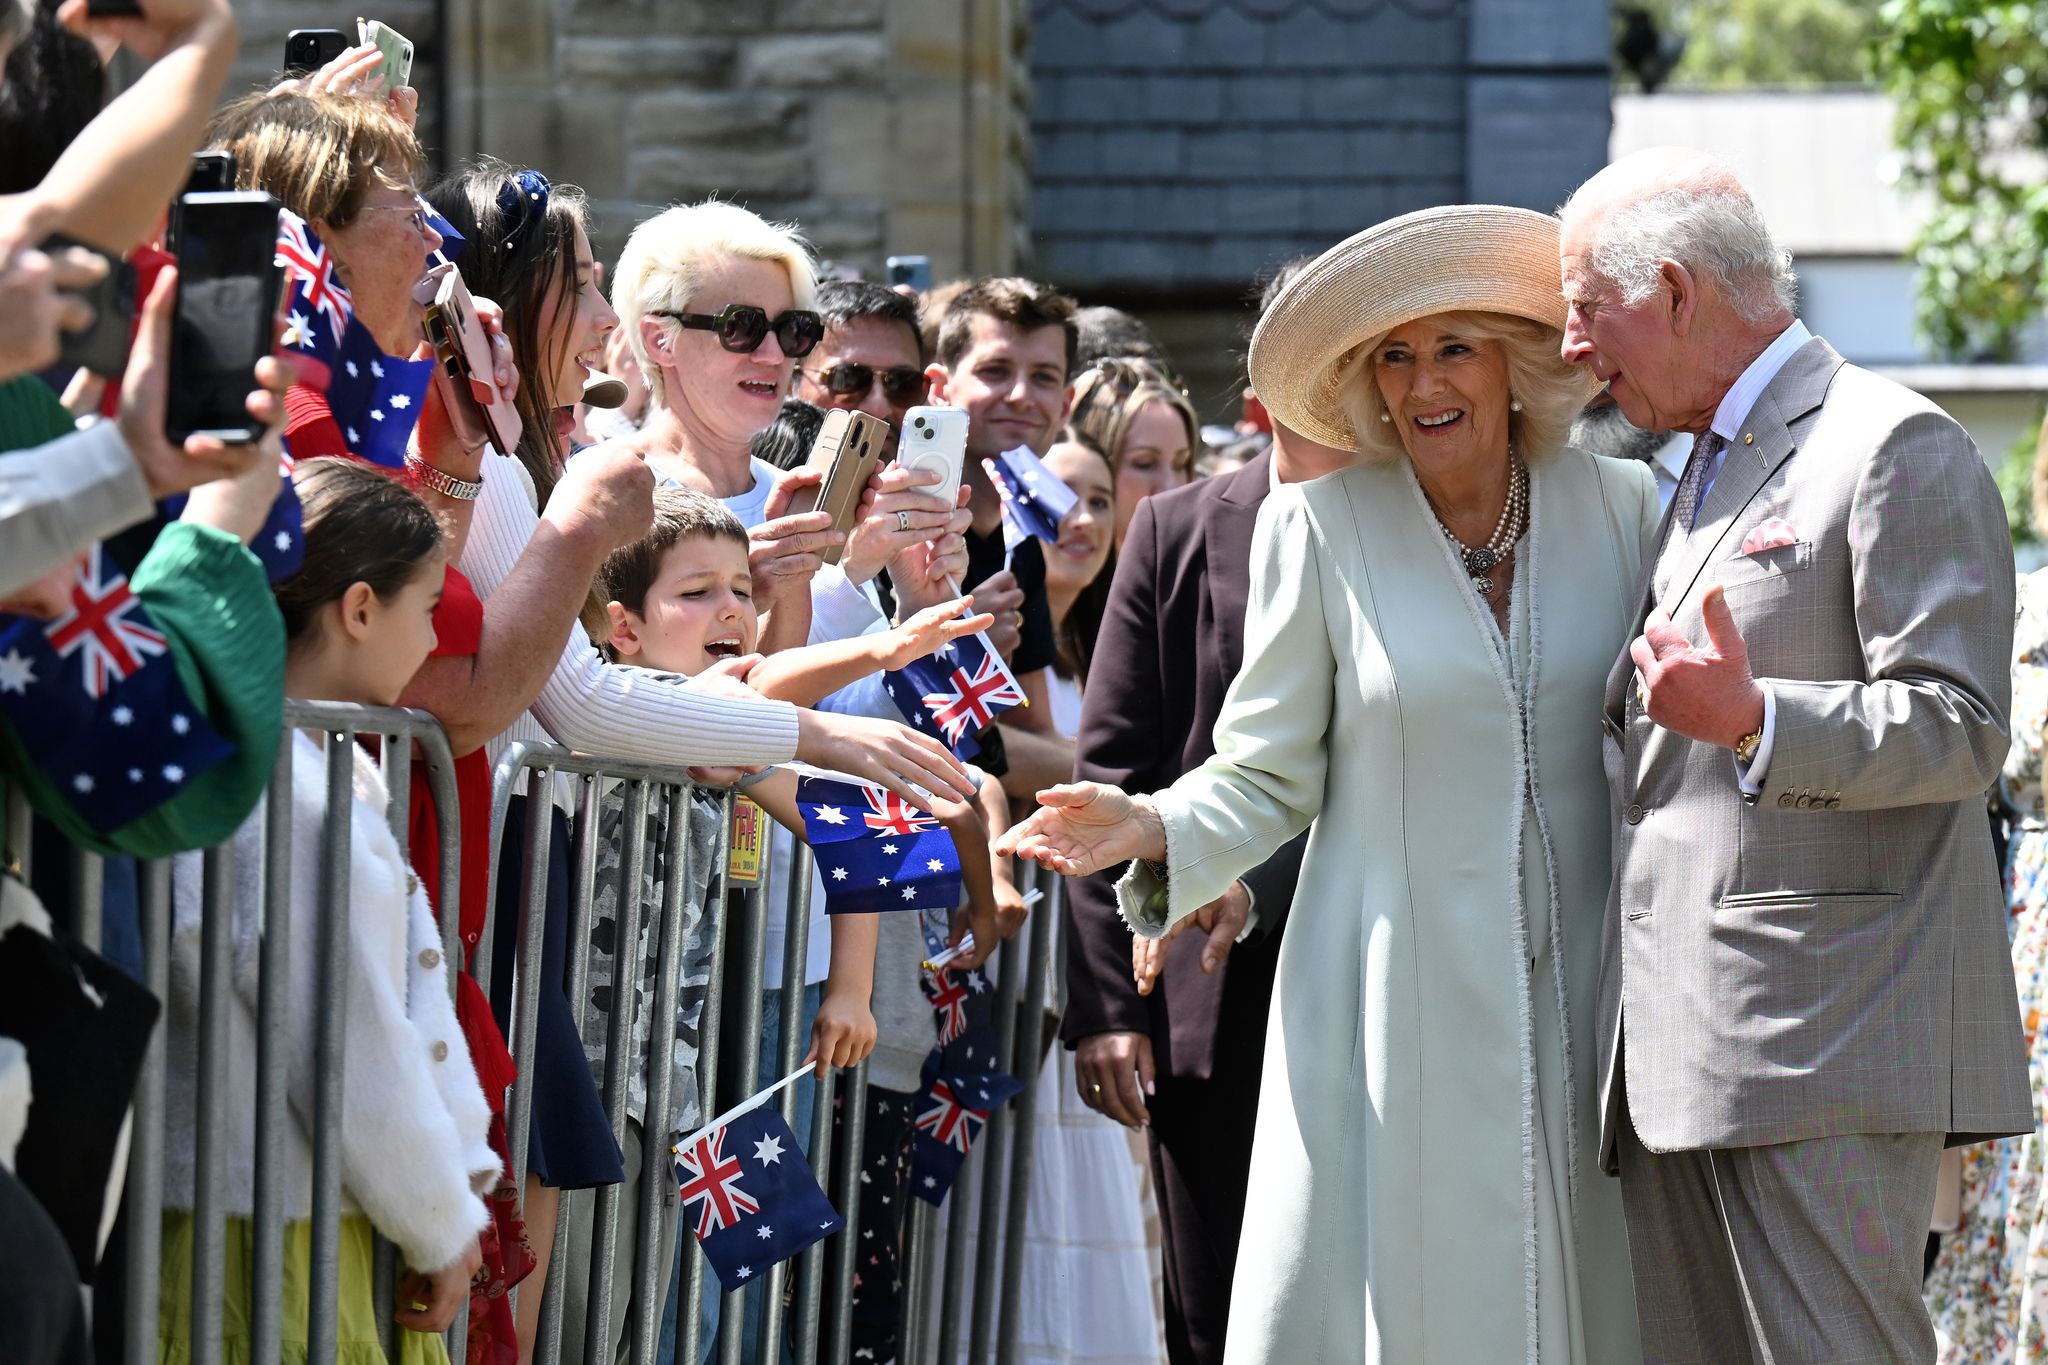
column 901, row 384
column 741, row 328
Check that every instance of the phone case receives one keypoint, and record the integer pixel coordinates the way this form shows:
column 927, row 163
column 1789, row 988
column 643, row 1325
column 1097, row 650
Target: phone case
column 848, row 448
column 397, row 50
column 935, row 438
column 464, row 350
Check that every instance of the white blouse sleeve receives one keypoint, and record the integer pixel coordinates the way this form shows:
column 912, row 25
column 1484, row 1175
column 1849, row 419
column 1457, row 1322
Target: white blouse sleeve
column 594, row 706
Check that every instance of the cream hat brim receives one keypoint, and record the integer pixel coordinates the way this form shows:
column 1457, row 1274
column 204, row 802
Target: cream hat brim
column 1461, row 258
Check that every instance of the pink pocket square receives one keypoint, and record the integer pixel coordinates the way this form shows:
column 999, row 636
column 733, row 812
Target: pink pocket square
column 1769, row 534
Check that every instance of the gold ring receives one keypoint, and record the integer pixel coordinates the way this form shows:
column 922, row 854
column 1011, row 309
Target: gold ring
column 1095, row 1090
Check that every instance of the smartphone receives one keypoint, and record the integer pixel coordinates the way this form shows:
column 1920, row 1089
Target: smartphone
column 211, row 171
column 935, row 438
column 229, row 289
column 306, row 50
column 915, row 271
column 396, row 47
column 464, row 351
column 103, row 346
column 848, row 448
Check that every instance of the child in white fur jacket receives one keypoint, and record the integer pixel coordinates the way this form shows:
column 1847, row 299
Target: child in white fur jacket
column 414, row 1155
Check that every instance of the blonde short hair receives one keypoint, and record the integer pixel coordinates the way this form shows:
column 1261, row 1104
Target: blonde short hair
column 1550, row 391
column 668, row 256
column 320, row 155
column 1109, row 395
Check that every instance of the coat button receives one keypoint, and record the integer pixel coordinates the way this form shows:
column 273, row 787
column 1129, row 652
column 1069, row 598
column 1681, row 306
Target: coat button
column 412, row 883
column 1634, row 814
column 1785, row 800
column 1805, row 802
column 440, row 1051
column 430, row 958
column 1834, row 803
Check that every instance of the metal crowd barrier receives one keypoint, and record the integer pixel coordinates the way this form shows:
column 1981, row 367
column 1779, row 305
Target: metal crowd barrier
column 814, row 1291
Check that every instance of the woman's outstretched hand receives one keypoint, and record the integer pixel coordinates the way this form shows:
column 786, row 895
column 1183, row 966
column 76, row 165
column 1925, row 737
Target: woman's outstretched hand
column 1083, row 827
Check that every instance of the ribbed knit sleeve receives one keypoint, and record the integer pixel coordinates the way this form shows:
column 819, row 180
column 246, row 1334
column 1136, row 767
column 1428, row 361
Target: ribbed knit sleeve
column 599, row 708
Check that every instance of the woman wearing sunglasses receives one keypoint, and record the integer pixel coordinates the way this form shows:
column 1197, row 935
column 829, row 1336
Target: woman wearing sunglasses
column 720, row 307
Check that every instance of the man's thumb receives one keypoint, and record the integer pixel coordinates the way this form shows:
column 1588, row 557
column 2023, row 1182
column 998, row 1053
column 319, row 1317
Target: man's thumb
column 1722, row 632
column 1218, row 945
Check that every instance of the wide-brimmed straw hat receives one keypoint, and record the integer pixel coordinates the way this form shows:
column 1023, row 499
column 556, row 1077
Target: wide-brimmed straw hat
column 1477, row 258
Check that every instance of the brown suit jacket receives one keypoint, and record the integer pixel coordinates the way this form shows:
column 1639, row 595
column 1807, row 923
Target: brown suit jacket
column 1171, row 641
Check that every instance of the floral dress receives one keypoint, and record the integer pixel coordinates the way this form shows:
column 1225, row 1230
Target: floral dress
column 1988, row 1290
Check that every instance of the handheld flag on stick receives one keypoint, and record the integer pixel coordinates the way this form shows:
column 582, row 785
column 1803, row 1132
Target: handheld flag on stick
column 1034, row 499
column 748, row 1193
column 874, row 850
column 955, row 691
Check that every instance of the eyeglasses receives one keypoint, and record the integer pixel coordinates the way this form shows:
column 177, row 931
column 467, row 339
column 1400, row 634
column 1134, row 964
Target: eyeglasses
column 414, row 214
column 741, row 328
column 901, row 384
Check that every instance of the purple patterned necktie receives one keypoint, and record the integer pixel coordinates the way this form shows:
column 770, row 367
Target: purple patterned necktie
column 1686, row 501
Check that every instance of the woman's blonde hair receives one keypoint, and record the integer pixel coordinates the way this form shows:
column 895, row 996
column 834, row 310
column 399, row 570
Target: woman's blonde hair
column 1109, row 395
column 319, row 155
column 668, row 256
column 1550, row 391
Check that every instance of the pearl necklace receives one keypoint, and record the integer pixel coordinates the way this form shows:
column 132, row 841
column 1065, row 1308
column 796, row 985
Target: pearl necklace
column 1482, row 560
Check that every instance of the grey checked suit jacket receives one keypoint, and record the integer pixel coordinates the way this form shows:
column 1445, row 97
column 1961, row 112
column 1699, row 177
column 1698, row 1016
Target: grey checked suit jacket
column 1830, row 957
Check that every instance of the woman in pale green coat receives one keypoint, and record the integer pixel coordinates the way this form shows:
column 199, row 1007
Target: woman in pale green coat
column 1425, row 648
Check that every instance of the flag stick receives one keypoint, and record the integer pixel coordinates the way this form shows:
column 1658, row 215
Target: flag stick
column 745, row 1105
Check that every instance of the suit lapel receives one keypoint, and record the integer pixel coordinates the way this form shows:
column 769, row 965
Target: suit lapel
column 1232, row 519
column 1765, row 442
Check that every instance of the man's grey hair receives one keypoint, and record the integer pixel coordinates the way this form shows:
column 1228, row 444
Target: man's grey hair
column 1716, row 235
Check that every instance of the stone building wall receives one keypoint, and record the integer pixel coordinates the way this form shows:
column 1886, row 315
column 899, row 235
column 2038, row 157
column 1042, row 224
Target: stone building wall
column 882, row 127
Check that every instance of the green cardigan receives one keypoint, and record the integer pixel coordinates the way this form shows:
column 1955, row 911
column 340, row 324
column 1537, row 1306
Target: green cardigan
column 211, row 599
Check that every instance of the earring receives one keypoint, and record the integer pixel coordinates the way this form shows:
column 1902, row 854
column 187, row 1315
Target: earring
column 1386, row 416
column 1514, row 405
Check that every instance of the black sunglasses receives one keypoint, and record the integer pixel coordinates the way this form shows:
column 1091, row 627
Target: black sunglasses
column 901, row 384
column 741, row 328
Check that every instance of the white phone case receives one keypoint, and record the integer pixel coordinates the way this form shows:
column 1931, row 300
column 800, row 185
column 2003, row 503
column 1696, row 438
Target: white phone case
column 935, row 438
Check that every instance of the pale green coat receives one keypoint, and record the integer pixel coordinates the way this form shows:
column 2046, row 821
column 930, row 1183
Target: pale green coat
column 1423, row 1185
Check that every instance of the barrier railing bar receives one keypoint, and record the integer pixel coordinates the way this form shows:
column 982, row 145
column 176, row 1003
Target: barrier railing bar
column 995, row 1138
column 754, row 940
column 1031, row 1033
column 88, row 896
column 146, row 1153
column 918, row 1230
column 838, row 1344
column 690, row 1265
column 649, row 1287
column 617, row 1058
column 20, row 831
column 796, row 945
column 953, row 1281
column 322, row 1302
column 273, row 1038
column 526, row 974
column 810, row 1266
column 210, row 1107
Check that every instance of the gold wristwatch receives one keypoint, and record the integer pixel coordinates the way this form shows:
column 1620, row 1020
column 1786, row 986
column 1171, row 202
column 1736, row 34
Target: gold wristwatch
column 1746, row 747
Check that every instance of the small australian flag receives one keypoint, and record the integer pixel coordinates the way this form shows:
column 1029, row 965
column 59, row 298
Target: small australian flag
column 1034, row 499
column 95, row 699
column 751, row 1197
column 955, row 692
column 874, row 850
column 948, row 1116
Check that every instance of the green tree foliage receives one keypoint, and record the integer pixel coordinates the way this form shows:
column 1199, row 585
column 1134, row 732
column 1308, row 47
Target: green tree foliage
column 1740, row 44
column 1970, row 78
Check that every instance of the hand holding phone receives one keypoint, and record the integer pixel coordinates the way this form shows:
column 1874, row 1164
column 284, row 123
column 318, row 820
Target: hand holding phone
column 396, row 68
column 464, row 377
column 935, row 439
column 848, row 448
column 229, row 289
column 106, row 287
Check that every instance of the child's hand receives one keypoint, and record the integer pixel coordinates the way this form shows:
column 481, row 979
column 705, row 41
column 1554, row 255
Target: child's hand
column 844, row 1033
column 931, row 628
column 438, row 1293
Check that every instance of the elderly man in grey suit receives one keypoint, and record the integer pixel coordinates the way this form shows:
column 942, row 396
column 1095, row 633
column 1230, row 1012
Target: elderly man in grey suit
column 1807, row 988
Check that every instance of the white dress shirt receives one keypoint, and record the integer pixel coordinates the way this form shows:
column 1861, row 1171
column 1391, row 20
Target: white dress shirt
column 1728, row 419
